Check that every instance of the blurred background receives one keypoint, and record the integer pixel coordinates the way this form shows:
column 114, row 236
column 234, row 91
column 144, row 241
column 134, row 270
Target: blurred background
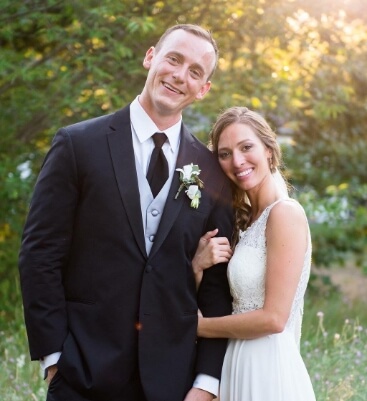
column 301, row 63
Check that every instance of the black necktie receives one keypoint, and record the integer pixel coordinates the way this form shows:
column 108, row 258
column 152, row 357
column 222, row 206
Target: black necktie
column 158, row 167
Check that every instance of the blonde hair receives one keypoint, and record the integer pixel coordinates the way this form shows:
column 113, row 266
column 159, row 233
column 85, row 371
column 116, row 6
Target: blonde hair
column 242, row 115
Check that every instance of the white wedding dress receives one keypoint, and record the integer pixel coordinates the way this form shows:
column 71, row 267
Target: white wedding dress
column 269, row 368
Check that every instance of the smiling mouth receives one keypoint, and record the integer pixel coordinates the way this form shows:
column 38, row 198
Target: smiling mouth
column 172, row 89
column 244, row 173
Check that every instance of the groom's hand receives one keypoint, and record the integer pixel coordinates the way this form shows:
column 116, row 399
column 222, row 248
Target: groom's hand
column 196, row 394
column 51, row 371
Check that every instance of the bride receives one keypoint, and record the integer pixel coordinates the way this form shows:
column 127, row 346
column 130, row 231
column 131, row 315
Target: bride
column 268, row 272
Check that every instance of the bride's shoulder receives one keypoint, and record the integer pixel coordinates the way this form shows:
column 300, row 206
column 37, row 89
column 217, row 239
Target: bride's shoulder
column 287, row 211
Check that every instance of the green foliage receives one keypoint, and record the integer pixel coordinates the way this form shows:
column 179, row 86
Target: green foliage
column 65, row 61
column 338, row 222
column 20, row 380
column 329, row 136
column 334, row 345
column 14, row 195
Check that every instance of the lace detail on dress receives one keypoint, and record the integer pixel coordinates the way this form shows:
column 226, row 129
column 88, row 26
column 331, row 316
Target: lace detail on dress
column 247, row 268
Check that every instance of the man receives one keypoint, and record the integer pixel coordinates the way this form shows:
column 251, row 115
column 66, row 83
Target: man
column 109, row 294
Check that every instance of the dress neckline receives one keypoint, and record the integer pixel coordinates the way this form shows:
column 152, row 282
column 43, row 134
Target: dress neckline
column 261, row 214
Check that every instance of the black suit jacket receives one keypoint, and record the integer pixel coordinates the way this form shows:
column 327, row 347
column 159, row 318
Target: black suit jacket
column 89, row 288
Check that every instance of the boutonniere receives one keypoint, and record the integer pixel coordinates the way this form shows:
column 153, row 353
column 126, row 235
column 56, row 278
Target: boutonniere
column 189, row 177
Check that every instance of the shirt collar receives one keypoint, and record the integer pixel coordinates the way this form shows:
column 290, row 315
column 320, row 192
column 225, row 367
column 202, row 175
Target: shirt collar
column 144, row 126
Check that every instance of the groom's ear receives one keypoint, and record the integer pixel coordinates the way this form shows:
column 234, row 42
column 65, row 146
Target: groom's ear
column 204, row 90
column 148, row 58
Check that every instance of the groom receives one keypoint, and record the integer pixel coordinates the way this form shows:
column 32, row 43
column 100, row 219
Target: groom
column 109, row 294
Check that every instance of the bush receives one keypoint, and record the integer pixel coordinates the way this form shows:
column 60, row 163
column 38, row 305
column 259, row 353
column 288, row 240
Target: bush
column 338, row 223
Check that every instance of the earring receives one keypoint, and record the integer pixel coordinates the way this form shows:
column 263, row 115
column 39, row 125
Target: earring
column 271, row 165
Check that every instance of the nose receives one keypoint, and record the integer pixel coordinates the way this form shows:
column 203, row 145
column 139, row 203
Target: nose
column 238, row 159
column 179, row 73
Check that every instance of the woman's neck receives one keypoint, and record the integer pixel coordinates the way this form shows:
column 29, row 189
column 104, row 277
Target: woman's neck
column 261, row 199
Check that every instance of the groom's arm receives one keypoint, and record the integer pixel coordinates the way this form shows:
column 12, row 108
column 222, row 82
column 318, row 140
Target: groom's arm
column 214, row 297
column 45, row 249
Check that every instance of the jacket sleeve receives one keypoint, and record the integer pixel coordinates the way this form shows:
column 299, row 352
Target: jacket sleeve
column 214, row 297
column 45, row 248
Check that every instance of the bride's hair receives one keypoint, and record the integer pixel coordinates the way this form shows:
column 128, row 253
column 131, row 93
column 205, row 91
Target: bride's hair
column 242, row 115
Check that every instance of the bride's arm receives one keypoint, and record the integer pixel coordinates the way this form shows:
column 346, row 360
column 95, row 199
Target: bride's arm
column 287, row 239
column 211, row 250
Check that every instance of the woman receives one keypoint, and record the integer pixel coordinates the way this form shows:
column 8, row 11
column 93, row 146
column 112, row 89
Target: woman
column 268, row 272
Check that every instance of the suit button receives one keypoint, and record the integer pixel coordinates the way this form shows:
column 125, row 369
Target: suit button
column 155, row 212
column 148, row 269
column 151, row 238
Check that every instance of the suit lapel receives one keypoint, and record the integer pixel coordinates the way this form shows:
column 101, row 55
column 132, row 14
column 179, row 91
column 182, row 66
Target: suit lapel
column 123, row 160
column 188, row 153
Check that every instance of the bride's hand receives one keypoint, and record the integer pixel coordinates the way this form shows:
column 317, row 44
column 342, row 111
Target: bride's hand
column 211, row 251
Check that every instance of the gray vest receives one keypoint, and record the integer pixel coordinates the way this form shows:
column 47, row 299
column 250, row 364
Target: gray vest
column 151, row 208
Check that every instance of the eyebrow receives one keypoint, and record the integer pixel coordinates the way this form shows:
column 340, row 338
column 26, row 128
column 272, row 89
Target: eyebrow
column 181, row 56
column 237, row 144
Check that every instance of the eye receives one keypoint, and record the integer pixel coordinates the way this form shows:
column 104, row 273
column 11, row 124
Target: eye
column 195, row 73
column 246, row 148
column 223, row 155
column 173, row 59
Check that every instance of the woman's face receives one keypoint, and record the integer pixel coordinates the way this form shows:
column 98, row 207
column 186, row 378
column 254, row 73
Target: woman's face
column 243, row 156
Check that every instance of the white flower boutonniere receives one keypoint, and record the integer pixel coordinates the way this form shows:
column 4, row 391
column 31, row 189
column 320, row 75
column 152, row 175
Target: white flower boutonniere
column 189, row 177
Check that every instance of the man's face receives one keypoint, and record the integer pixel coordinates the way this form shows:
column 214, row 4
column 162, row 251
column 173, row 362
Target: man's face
column 178, row 74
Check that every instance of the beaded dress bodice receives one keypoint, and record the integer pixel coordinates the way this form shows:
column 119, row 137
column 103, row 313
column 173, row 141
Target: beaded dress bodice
column 247, row 270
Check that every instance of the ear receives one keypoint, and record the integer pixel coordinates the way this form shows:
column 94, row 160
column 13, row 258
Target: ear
column 204, row 90
column 149, row 55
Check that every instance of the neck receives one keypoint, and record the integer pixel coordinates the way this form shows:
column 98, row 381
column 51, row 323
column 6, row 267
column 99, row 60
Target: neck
column 261, row 198
column 163, row 120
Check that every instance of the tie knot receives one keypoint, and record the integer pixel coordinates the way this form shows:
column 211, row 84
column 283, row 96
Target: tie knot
column 159, row 139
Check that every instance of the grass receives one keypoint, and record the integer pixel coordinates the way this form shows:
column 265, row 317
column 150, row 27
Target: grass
column 334, row 348
column 20, row 380
column 337, row 362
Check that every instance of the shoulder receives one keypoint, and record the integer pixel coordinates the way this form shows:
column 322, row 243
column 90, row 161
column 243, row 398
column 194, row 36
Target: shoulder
column 194, row 140
column 287, row 227
column 106, row 123
column 91, row 132
column 288, row 214
column 206, row 159
column 87, row 136
column 86, row 126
